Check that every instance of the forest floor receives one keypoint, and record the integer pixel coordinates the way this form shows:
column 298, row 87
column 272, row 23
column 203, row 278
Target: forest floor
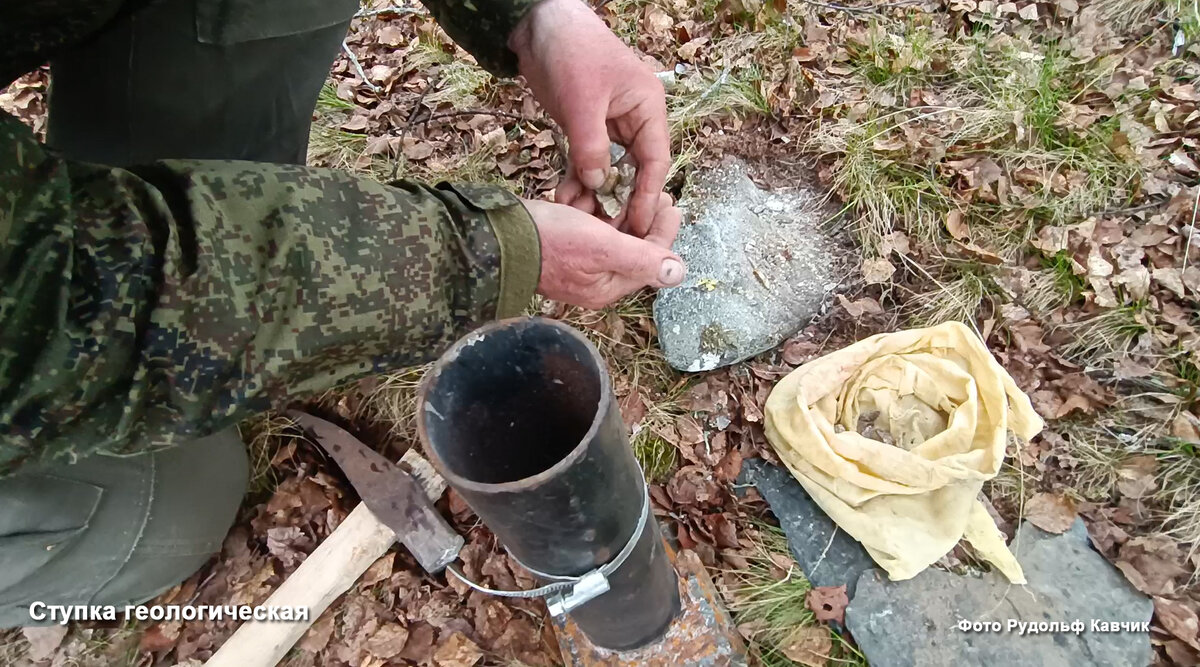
column 1028, row 168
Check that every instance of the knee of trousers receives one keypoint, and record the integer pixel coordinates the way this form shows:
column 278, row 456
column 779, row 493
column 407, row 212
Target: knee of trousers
column 116, row 530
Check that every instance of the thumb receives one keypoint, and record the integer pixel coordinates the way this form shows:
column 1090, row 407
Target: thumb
column 646, row 263
column 588, row 150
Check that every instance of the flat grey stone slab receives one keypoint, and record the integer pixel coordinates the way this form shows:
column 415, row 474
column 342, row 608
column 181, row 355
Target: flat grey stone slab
column 828, row 556
column 759, row 268
column 916, row 622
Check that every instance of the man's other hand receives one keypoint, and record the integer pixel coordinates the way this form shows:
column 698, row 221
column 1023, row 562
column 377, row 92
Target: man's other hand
column 588, row 263
column 597, row 89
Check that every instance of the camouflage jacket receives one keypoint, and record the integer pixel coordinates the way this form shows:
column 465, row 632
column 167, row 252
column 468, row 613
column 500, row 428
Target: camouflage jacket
column 140, row 307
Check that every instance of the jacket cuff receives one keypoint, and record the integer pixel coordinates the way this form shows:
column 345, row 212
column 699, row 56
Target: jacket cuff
column 520, row 245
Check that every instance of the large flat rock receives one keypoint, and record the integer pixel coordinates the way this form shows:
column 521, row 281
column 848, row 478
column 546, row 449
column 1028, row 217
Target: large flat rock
column 916, row 622
column 759, row 268
column 828, row 556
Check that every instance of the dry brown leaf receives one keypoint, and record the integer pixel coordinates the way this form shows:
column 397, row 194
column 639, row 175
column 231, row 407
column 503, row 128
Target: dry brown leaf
column 457, row 651
column 1178, row 619
column 1152, row 564
column 877, row 270
column 1184, row 428
column 808, row 645
column 724, row 530
column 796, row 351
column 828, row 603
column 1179, row 653
column 688, row 51
column 729, row 467
column 421, row 638
column 782, row 561
column 657, row 22
column 355, row 124
column 388, row 641
column 1136, row 476
column 379, row 570
column 1052, row 512
column 417, row 150
column 44, row 641
column 690, row 432
column 391, row 36
column 896, row 242
column 1106, row 536
column 544, row 139
column 633, row 407
column 693, row 485
column 864, row 306
column 160, row 637
column 316, row 638
column 1073, row 403
column 956, row 224
column 982, row 254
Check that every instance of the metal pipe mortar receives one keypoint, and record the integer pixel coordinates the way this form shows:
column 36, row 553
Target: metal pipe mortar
column 520, row 418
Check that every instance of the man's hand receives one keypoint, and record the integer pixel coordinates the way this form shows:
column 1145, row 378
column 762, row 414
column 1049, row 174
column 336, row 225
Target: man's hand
column 588, row 263
column 597, row 89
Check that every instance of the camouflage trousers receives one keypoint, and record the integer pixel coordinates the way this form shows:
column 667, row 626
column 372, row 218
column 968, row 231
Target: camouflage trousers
column 229, row 79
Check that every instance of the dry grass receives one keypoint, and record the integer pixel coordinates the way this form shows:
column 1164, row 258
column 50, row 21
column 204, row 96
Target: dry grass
column 956, row 300
column 264, row 435
column 878, row 190
column 695, row 99
column 1179, row 484
column 13, row 646
column 1136, row 15
column 459, row 82
column 1096, row 457
column 394, row 401
column 1104, row 338
column 768, row 607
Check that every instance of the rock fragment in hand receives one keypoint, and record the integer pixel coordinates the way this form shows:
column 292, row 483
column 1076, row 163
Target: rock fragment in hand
column 614, row 193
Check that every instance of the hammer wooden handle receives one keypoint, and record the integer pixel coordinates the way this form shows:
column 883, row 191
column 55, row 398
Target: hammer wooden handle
column 328, row 572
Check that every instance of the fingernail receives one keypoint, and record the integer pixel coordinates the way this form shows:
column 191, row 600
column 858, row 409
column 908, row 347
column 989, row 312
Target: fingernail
column 670, row 273
column 592, row 178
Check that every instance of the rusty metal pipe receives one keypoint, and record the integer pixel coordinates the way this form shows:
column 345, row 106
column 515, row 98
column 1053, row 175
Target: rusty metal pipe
column 520, row 418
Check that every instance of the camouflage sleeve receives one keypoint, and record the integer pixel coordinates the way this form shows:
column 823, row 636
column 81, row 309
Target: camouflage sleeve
column 482, row 28
column 145, row 306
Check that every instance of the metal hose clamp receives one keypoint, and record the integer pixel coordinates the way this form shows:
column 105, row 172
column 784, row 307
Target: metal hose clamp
column 568, row 593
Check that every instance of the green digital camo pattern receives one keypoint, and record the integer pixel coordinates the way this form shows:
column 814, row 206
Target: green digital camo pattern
column 142, row 307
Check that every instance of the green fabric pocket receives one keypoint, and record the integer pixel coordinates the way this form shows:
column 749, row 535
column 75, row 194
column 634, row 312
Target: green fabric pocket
column 235, row 21
column 43, row 515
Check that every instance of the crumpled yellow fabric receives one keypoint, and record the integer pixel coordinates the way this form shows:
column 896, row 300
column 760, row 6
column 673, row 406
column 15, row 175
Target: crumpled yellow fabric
column 946, row 405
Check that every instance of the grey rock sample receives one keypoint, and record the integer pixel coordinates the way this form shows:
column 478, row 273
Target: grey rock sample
column 915, row 622
column 759, row 267
column 828, row 556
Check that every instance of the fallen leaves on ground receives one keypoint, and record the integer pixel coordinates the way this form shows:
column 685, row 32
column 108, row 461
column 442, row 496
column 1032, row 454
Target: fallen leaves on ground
column 1052, row 512
column 828, row 603
column 43, row 641
column 457, row 651
column 808, row 645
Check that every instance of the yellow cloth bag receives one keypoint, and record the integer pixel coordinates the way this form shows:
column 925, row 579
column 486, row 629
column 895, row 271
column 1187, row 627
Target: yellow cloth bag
column 947, row 405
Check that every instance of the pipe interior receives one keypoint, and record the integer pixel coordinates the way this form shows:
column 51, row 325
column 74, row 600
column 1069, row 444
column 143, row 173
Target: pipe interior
column 513, row 403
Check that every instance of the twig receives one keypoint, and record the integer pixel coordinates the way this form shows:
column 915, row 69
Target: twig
column 824, row 551
column 1131, row 209
column 412, row 118
column 358, row 67
column 1188, row 244
column 473, row 112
